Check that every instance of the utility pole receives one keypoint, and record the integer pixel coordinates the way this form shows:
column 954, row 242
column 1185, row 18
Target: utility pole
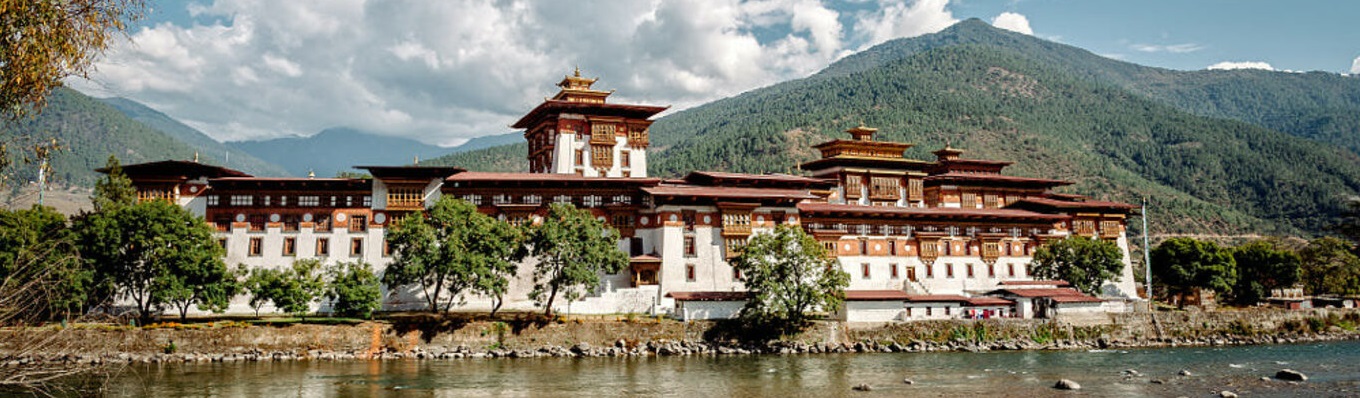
column 42, row 180
column 1147, row 256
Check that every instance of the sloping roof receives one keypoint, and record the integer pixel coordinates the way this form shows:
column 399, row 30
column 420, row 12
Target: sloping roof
column 929, row 212
column 175, row 169
column 290, row 183
column 709, row 296
column 728, row 192
column 600, row 109
column 644, row 258
column 770, row 180
column 411, row 172
column 875, row 295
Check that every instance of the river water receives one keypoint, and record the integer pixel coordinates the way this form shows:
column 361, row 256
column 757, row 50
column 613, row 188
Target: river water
column 1333, row 369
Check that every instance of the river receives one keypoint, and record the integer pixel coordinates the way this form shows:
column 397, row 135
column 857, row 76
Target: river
column 1332, row 369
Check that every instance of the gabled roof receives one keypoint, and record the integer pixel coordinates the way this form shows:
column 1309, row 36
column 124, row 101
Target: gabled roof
column 323, row 184
column 936, row 298
column 756, row 180
column 709, row 296
column 175, row 170
column 995, row 179
column 544, row 179
column 1061, row 295
column 988, row 301
column 589, row 108
column 411, row 172
column 1035, row 283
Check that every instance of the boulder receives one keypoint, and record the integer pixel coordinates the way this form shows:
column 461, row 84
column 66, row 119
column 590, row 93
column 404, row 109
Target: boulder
column 1291, row 375
column 908, row 381
column 862, row 387
column 1185, row 373
column 1066, row 384
column 1227, row 394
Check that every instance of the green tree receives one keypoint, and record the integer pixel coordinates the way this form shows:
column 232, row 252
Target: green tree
column 294, row 289
column 1183, row 264
column 1261, row 267
column 1086, row 263
column 1330, row 267
column 197, row 276
column 45, row 41
column 354, row 290
column 572, row 248
column 454, row 249
column 788, row 274
column 115, row 190
column 41, row 276
column 258, row 284
column 137, row 248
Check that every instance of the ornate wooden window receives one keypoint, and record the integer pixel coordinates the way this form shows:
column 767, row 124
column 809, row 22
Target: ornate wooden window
column 1109, row 229
column 688, row 217
column 256, row 222
column 990, row 201
column 242, row 200
column 358, row 223
column 473, row 199
column 689, row 272
column 853, row 186
column 256, row 247
column 213, row 200
column 949, row 270
column 533, row 199
column 969, row 200
column 736, row 223
column 689, row 247
column 323, row 223
column 157, row 193
column 885, row 187
column 892, row 271
column 309, row 201
column 830, row 248
column 1084, row 227
column 930, row 250
column 915, row 189
column 734, row 246
column 637, row 136
column 625, row 159
column 1010, row 270
column 289, row 246
column 408, row 197
column 323, row 247
column 990, row 251
column 969, row 269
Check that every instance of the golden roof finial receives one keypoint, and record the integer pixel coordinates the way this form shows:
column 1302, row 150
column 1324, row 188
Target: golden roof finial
column 311, row 174
column 417, row 163
column 578, row 70
column 195, row 156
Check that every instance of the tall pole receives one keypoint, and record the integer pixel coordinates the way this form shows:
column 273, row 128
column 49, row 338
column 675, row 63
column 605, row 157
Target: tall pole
column 1147, row 256
column 42, row 179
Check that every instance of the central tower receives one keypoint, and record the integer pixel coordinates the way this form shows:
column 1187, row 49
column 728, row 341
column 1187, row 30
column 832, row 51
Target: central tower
column 578, row 132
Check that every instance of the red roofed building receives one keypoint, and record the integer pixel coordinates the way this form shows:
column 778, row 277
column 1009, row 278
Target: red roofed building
column 912, row 234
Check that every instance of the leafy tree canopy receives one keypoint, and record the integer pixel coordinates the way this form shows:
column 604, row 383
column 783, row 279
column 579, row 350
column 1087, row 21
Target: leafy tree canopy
column 115, row 190
column 455, row 250
column 1261, row 267
column 43, row 42
column 1086, row 263
column 572, row 248
column 788, row 274
column 1330, row 267
column 1183, row 264
column 353, row 289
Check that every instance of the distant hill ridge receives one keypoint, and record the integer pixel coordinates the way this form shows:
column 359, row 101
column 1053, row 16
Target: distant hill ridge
column 201, row 143
column 338, row 149
column 1121, row 131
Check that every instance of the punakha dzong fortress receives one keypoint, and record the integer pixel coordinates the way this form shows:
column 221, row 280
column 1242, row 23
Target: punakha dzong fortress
column 948, row 237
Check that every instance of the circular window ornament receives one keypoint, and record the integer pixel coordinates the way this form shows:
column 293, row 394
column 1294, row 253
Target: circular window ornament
column 793, row 220
column 340, row 217
column 708, row 219
column 760, row 219
column 847, row 246
column 274, row 217
column 307, row 217
column 382, row 218
column 193, row 189
column 878, row 247
column 240, row 217
column 645, row 221
column 674, row 218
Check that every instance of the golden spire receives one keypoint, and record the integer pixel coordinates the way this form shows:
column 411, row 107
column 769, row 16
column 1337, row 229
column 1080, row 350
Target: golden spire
column 311, row 174
column 417, row 162
column 195, row 156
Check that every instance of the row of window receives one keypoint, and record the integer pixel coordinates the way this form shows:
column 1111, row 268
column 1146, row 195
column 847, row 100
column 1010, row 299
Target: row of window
column 290, row 222
column 932, row 249
column 284, row 200
column 866, row 271
column 289, row 249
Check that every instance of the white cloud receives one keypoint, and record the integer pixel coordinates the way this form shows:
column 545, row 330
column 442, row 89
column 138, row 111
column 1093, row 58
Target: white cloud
column 1169, row 48
column 903, row 18
column 1013, row 22
column 446, row 71
column 1355, row 66
column 1229, row 65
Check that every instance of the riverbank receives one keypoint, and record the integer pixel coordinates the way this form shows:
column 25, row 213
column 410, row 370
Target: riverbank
column 428, row 338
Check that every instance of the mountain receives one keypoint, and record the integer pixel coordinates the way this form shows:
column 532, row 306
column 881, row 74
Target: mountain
column 1120, row 131
column 205, row 145
column 89, row 131
column 337, row 149
column 1316, row 105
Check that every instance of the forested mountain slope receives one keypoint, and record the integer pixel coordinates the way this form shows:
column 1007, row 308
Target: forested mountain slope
column 205, row 145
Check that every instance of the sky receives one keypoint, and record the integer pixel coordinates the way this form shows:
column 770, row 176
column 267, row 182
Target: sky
column 443, row 72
